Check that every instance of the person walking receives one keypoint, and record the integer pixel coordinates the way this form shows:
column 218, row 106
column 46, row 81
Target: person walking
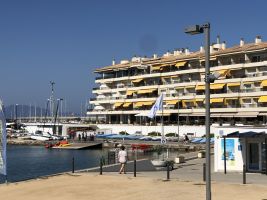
column 122, row 156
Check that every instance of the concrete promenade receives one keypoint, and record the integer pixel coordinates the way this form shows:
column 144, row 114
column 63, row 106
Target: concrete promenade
column 190, row 170
column 185, row 184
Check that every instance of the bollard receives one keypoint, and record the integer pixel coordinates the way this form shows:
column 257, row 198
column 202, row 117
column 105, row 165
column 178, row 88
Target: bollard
column 134, row 168
column 168, row 171
column 204, row 172
column 72, row 164
column 244, row 174
column 109, row 157
column 101, row 166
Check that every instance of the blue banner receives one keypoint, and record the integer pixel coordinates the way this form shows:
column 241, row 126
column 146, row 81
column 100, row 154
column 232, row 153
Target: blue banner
column 2, row 141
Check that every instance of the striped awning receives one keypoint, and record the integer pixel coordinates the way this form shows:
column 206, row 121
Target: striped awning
column 233, row 84
column 262, row 99
column 216, row 86
column 127, row 104
column 264, row 83
column 137, row 80
column 180, row 64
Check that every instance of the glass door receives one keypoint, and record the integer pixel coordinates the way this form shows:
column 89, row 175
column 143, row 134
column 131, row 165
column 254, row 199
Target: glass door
column 253, row 156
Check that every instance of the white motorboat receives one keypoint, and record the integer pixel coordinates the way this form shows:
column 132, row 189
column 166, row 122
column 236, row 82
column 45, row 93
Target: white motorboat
column 42, row 136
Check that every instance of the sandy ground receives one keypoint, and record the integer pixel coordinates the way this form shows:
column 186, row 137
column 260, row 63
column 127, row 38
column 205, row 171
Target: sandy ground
column 124, row 187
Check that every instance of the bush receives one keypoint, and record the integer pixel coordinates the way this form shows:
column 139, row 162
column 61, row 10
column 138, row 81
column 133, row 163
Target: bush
column 154, row 133
column 158, row 149
column 211, row 135
column 123, row 133
column 171, row 134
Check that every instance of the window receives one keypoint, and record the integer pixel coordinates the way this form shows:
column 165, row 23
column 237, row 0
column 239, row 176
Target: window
column 256, row 59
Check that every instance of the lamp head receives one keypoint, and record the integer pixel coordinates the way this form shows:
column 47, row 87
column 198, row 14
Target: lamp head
column 193, row 30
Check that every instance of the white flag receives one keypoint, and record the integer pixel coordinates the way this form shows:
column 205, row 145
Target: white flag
column 2, row 141
column 157, row 106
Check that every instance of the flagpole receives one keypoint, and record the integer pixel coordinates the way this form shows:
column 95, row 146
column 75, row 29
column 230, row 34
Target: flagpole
column 162, row 127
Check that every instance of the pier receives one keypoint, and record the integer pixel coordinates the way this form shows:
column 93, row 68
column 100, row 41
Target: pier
column 79, row 146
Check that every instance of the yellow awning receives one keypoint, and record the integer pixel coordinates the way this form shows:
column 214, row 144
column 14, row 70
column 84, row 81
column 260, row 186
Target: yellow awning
column 129, row 92
column 231, row 98
column 180, row 64
column 224, row 72
column 187, row 101
column 138, row 104
column 262, row 99
column 171, row 102
column 148, row 103
column 211, row 59
column 264, row 83
column 233, row 84
column 118, row 104
column 125, row 105
column 217, row 100
column 217, row 86
column 164, row 66
column 249, row 82
column 157, row 67
column 165, row 77
column 137, row 80
column 200, row 87
column 190, row 86
column 178, row 88
column 199, row 100
column 145, row 91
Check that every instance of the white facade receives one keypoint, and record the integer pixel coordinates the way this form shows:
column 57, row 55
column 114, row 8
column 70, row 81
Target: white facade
column 238, row 150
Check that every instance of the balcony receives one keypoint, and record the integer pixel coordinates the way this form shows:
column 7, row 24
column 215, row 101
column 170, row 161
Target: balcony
column 250, row 105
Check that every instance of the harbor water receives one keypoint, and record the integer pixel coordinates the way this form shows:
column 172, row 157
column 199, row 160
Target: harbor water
column 29, row 162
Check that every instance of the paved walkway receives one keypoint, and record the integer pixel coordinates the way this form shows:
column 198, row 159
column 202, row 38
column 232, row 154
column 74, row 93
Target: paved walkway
column 191, row 170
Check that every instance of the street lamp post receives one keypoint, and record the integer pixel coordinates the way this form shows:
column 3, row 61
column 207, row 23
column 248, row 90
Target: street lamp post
column 197, row 29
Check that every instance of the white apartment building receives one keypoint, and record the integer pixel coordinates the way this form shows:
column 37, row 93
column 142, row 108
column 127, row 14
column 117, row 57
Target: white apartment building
column 127, row 90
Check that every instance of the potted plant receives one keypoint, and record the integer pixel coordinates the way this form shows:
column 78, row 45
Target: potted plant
column 159, row 162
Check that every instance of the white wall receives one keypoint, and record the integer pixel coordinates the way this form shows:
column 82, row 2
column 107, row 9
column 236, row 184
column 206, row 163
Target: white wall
column 131, row 129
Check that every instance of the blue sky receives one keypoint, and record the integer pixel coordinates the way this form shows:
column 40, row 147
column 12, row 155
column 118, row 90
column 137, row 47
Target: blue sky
column 65, row 40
